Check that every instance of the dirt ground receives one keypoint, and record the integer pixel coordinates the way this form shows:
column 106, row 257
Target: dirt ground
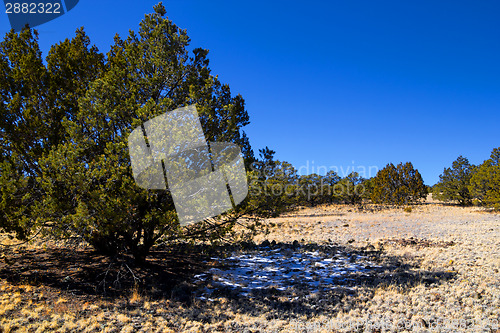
column 326, row 269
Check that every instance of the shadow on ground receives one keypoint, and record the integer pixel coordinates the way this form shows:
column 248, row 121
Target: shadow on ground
column 84, row 272
column 343, row 292
column 170, row 274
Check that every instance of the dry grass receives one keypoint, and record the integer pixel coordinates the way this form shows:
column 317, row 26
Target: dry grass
column 446, row 259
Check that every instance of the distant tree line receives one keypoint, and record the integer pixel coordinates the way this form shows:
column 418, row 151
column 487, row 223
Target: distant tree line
column 276, row 186
column 466, row 183
column 280, row 187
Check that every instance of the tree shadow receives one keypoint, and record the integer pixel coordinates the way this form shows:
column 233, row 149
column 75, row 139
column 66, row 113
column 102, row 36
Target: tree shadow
column 86, row 273
column 300, row 299
column 169, row 273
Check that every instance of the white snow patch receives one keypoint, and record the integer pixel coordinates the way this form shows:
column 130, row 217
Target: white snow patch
column 282, row 269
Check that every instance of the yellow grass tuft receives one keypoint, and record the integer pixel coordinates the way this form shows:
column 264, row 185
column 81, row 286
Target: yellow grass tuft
column 136, row 296
column 122, row 318
column 61, row 300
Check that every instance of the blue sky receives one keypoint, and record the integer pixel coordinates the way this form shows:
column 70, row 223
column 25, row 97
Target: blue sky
column 339, row 84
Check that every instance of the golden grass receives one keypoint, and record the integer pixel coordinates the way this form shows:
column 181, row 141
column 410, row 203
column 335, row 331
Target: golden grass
column 136, row 297
column 469, row 301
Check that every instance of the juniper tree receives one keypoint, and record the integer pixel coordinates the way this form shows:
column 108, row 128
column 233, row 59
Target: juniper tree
column 485, row 181
column 351, row 189
column 64, row 129
column 398, row 185
column 454, row 182
column 35, row 98
column 273, row 185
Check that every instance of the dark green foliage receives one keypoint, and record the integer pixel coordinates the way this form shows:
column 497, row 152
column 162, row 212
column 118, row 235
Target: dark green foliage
column 350, row 189
column 401, row 185
column 311, row 190
column 454, row 183
column 485, row 182
column 276, row 187
column 314, row 189
column 272, row 185
column 64, row 129
column 35, row 100
column 367, row 188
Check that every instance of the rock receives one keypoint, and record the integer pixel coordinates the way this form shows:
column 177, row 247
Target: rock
column 265, row 243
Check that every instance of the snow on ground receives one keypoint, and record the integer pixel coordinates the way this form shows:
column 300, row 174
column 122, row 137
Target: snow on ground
column 284, row 269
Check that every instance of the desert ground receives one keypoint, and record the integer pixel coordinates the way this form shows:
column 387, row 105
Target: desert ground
column 335, row 268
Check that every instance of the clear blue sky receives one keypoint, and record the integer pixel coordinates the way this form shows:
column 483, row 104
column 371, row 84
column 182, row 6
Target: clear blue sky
column 339, row 83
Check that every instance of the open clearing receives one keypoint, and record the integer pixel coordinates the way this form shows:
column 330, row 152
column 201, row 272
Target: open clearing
column 323, row 269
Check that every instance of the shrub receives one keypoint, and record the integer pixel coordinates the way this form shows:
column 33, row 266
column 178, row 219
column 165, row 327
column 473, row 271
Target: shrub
column 401, row 185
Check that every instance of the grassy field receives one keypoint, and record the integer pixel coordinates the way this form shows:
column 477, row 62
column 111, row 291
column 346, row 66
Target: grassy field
column 325, row 269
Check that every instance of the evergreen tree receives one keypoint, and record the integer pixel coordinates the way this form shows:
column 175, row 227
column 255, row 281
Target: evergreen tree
column 401, row 185
column 485, row 182
column 352, row 189
column 273, row 185
column 330, row 183
column 454, row 182
column 35, row 100
column 64, row 130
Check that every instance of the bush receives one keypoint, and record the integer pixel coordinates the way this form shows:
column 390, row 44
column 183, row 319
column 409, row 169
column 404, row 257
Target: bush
column 401, row 185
